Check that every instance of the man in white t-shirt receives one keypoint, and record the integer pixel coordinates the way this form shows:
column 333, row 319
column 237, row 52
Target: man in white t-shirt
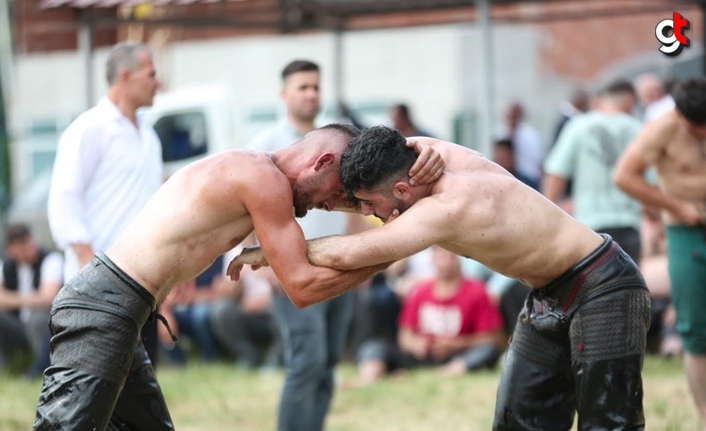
column 29, row 280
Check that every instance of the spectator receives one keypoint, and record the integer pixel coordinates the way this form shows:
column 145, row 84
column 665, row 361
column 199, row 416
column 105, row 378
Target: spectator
column 191, row 314
column 314, row 337
column 529, row 150
column 578, row 104
column 504, row 155
column 242, row 319
column 108, row 164
column 401, row 117
column 673, row 144
column 587, row 151
column 378, row 303
column 448, row 321
column 29, row 280
column 653, row 96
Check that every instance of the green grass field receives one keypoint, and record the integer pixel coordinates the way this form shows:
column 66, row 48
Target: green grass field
column 215, row 398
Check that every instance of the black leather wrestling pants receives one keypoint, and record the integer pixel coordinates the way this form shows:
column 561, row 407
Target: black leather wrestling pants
column 578, row 346
column 100, row 376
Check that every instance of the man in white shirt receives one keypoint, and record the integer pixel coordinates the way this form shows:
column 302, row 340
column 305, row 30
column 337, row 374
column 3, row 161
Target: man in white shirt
column 29, row 280
column 108, row 165
column 313, row 337
column 108, row 161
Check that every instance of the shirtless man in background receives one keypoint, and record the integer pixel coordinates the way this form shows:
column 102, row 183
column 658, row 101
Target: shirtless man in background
column 100, row 375
column 580, row 341
column 675, row 144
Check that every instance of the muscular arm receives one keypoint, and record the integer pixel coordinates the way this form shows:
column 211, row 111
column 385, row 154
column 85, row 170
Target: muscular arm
column 421, row 226
column 644, row 151
column 282, row 241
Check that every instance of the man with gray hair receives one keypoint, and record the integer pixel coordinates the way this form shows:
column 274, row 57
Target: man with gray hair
column 108, row 164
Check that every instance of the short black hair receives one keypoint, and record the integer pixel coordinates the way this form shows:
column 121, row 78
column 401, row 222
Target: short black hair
column 619, row 86
column 506, row 143
column 299, row 66
column 346, row 129
column 16, row 232
column 377, row 155
column 690, row 100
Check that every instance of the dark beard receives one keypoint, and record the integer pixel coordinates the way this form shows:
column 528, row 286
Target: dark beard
column 301, row 204
column 402, row 206
column 302, row 195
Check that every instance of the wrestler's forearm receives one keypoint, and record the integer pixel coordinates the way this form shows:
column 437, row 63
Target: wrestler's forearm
column 327, row 284
column 332, row 252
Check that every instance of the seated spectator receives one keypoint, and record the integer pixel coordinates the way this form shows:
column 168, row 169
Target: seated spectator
column 448, row 321
column 378, row 301
column 504, row 155
column 242, row 320
column 30, row 279
column 189, row 311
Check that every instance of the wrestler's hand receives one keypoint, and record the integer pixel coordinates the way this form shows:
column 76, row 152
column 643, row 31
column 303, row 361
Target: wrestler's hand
column 429, row 165
column 253, row 256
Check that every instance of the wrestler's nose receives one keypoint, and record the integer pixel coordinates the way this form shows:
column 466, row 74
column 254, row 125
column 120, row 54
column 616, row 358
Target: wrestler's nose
column 367, row 209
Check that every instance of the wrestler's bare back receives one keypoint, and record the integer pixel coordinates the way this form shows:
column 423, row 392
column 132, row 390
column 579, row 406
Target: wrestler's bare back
column 680, row 161
column 504, row 224
column 193, row 218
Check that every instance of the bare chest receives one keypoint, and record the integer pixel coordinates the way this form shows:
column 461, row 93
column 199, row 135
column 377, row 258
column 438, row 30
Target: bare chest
column 685, row 155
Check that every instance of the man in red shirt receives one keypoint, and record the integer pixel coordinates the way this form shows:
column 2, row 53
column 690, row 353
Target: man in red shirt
column 447, row 321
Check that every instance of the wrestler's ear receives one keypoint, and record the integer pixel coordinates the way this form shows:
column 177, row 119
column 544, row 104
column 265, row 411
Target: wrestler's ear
column 401, row 190
column 325, row 159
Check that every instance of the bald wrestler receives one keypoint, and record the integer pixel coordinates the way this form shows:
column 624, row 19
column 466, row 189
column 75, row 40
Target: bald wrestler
column 100, row 377
column 675, row 144
column 579, row 342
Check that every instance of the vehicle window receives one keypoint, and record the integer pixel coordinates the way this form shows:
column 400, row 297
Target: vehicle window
column 183, row 135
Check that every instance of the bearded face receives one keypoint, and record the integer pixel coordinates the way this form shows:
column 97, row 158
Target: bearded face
column 303, row 194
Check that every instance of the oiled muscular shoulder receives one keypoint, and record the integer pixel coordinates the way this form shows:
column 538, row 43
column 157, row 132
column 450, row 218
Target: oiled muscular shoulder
column 476, row 197
column 227, row 180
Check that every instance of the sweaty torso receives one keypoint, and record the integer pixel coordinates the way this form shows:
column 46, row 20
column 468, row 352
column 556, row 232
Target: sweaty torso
column 193, row 218
column 506, row 225
column 681, row 165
